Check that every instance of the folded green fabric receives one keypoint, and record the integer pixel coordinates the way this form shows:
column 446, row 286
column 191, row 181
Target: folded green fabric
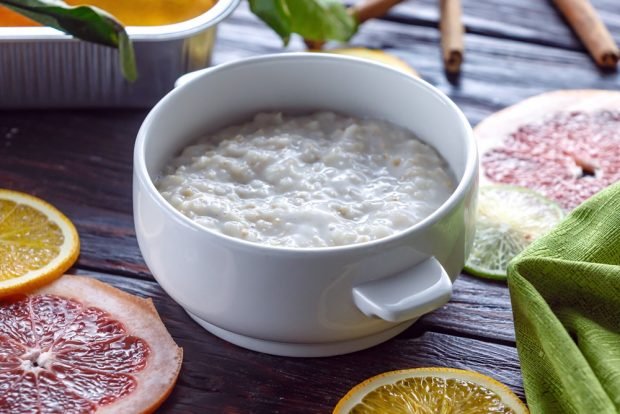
column 565, row 293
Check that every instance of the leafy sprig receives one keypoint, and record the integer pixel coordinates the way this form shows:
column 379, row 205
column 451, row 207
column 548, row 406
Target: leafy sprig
column 317, row 20
column 84, row 22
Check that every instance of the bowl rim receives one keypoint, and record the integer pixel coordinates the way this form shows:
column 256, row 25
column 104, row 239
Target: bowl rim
column 468, row 179
column 220, row 10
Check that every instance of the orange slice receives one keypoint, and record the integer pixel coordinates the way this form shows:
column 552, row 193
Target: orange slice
column 37, row 242
column 430, row 390
column 79, row 345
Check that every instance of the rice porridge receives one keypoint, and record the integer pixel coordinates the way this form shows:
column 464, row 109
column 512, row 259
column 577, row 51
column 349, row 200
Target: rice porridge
column 307, row 181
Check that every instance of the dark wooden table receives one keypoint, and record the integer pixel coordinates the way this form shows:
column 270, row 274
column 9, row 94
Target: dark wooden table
column 81, row 161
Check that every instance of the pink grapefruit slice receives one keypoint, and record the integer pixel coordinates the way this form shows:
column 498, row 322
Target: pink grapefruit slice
column 563, row 144
column 81, row 346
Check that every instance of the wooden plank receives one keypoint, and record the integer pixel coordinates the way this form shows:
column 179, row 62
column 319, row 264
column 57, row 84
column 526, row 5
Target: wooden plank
column 80, row 161
column 84, row 156
column 51, row 155
column 478, row 308
column 108, row 243
column 51, row 158
column 531, row 21
column 496, row 72
column 220, row 377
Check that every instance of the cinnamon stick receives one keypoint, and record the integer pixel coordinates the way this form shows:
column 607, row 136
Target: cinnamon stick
column 451, row 29
column 591, row 30
column 370, row 9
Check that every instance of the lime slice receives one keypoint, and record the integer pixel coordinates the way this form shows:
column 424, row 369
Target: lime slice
column 509, row 219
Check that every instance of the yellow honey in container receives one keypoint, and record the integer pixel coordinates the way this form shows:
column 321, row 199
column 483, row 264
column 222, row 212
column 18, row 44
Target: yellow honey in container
column 134, row 13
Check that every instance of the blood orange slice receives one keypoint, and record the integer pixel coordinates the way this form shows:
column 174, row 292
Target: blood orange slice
column 81, row 346
column 563, row 144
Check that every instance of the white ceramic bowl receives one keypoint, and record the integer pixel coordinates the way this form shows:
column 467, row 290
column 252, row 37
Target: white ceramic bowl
column 304, row 302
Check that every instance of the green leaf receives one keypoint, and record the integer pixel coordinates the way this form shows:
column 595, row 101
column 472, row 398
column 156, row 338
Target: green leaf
column 318, row 20
column 127, row 58
column 321, row 20
column 84, row 22
column 276, row 14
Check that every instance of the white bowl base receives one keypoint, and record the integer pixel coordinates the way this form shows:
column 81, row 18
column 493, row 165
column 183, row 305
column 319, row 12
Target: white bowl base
column 299, row 349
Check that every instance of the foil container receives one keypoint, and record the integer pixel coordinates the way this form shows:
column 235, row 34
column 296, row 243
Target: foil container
column 43, row 68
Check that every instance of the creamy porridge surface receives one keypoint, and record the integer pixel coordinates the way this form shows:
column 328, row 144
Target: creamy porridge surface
column 307, row 181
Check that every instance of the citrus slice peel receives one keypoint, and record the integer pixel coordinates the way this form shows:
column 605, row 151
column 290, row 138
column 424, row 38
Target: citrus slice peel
column 37, row 242
column 508, row 219
column 393, row 392
column 562, row 144
column 80, row 345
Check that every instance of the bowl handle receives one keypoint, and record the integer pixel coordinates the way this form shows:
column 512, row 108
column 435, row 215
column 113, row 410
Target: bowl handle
column 406, row 295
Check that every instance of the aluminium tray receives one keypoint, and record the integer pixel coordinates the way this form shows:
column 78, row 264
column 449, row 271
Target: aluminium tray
column 43, row 68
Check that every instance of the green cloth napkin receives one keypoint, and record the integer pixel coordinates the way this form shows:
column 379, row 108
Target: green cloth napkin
column 565, row 293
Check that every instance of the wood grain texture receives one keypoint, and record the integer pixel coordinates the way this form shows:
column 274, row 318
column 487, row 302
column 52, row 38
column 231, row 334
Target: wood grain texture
column 220, row 377
column 73, row 142
column 72, row 155
column 530, row 21
column 81, row 161
column 496, row 73
column 478, row 308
